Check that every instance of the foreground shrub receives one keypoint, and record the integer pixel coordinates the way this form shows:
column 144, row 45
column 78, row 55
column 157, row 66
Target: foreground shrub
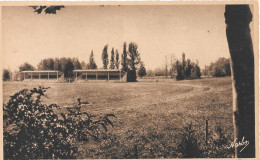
column 218, row 144
column 189, row 146
column 33, row 130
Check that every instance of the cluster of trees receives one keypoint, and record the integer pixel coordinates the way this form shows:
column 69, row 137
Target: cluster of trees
column 178, row 69
column 130, row 61
column 219, row 68
column 186, row 69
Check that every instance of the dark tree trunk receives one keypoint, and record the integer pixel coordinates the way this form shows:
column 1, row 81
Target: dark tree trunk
column 238, row 18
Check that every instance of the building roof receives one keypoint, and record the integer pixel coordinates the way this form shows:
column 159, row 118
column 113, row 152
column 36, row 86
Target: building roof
column 96, row 70
column 40, row 71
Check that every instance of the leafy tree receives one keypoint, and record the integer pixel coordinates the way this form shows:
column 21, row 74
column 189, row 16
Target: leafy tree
column 26, row 67
column 117, row 60
column 33, row 130
column 179, row 69
column 68, row 69
column 188, row 69
column 219, row 68
column 46, row 9
column 57, row 64
column 124, row 58
column 83, row 65
column 133, row 61
column 227, row 68
column 112, row 59
column 76, row 63
column 134, row 56
column 63, row 62
column 197, row 71
column 183, row 64
column 46, row 64
column 105, row 57
column 142, row 70
column 92, row 64
column 6, row 75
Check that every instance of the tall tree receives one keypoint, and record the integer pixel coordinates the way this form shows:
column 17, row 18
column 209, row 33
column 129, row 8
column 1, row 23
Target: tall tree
column 26, row 67
column 57, row 64
column 179, row 71
column 112, row 59
column 92, row 64
column 134, row 56
column 188, row 69
column 68, row 69
column 124, row 58
column 117, row 60
column 104, row 57
column 76, row 63
column 183, row 64
column 240, row 45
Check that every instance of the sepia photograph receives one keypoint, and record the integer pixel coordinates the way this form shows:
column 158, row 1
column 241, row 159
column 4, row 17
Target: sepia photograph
column 130, row 80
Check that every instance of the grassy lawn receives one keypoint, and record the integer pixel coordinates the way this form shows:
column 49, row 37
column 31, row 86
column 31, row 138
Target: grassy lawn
column 149, row 114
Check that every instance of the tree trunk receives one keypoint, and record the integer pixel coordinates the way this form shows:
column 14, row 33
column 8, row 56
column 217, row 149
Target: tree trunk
column 239, row 39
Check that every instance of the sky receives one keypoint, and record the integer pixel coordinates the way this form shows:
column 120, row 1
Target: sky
column 196, row 30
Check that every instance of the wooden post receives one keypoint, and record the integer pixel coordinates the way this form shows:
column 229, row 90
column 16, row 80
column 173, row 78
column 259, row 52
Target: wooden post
column 240, row 45
column 206, row 133
column 136, row 151
column 108, row 76
column 120, row 75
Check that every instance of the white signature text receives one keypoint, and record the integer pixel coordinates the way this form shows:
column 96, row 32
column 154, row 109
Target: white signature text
column 236, row 144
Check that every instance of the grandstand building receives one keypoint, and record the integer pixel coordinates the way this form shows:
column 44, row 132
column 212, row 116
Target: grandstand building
column 51, row 75
column 112, row 75
column 89, row 75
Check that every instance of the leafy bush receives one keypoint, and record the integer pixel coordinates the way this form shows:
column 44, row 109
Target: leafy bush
column 189, row 147
column 33, row 130
column 6, row 75
column 218, row 143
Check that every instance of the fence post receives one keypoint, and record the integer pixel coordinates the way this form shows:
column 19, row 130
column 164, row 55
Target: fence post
column 206, row 133
column 136, row 152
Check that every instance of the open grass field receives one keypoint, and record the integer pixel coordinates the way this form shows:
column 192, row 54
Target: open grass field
column 149, row 114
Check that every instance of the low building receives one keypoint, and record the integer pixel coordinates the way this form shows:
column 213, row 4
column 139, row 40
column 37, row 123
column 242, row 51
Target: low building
column 41, row 75
column 113, row 75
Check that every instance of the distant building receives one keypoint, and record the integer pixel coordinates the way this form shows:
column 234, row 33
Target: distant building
column 48, row 75
column 113, row 75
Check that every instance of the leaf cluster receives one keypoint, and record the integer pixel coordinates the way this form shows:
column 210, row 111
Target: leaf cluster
column 34, row 130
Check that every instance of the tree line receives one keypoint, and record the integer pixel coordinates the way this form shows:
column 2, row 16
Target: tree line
column 130, row 61
column 219, row 68
column 178, row 69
